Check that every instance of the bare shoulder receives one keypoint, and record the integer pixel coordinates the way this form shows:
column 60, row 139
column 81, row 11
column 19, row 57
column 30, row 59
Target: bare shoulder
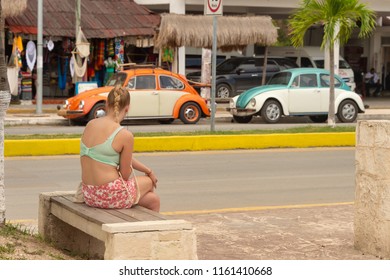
column 126, row 134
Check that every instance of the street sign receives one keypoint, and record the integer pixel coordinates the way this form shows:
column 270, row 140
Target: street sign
column 213, row 7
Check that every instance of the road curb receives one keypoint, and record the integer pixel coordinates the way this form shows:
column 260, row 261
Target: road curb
column 46, row 147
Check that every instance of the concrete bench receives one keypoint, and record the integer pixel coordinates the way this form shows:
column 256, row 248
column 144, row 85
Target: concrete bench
column 135, row 233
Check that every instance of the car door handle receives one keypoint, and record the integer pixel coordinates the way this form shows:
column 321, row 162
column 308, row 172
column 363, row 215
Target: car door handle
column 155, row 93
column 255, row 75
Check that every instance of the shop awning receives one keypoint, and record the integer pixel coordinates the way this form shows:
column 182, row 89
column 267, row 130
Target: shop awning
column 99, row 19
column 233, row 32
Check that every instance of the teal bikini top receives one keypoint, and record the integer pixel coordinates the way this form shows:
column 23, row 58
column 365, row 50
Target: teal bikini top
column 103, row 152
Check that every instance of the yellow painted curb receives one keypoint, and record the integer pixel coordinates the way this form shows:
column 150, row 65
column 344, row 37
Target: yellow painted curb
column 39, row 147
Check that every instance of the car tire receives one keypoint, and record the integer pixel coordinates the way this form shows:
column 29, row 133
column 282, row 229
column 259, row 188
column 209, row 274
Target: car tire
column 223, row 91
column 244, row 119
column 347, row 112
column 319, row 118
column 166, row 121
column 93, row 113
column 271, row 111
column 190, row 113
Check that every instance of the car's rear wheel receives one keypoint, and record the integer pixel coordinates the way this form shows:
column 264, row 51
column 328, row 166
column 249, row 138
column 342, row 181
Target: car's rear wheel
column 244, row 119
column 223, row 91
column 347, row 111
column 319, row 118
column 271, row 111
column 190, row 113
column 93, row 114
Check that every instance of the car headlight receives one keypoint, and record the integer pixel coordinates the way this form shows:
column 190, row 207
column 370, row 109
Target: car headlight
column 81, row 105
column 253, row 102
column 66, row 104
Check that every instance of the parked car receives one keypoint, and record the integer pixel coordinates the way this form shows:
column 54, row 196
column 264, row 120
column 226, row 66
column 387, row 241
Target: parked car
column 155, row 94
column 297, row 92
column 235, row 75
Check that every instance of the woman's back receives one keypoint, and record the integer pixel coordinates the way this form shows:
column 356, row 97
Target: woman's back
column 98, row 151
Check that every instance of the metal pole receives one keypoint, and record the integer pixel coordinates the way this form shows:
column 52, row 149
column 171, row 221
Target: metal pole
column 213, row 73
column 39, row 59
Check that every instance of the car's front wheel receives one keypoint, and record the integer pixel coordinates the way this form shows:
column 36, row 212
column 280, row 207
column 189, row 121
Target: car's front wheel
column 347, row 111
column 319, row 118
column 244, row 119
column 190, row 113
column 271, row 111
column 223, row 91
column 93, row 114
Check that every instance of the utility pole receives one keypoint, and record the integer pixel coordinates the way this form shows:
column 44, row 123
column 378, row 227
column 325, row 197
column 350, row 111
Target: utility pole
column 40, row 58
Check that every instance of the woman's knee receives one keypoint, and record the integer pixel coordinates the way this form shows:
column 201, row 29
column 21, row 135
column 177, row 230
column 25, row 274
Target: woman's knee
column 151, row 201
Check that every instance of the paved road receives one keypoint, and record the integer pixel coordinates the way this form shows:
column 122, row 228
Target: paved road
column 194, row 181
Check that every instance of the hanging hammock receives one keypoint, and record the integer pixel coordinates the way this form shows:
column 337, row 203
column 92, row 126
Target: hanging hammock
column 82, row 44
column 79, row 70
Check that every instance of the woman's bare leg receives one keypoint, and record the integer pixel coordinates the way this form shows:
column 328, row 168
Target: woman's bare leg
column 149, row 199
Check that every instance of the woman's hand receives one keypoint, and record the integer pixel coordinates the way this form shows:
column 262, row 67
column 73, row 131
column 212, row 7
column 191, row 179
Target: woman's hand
column 152, row 177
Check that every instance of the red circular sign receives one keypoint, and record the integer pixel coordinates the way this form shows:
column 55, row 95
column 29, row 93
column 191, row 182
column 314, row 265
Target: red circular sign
column 214, row 5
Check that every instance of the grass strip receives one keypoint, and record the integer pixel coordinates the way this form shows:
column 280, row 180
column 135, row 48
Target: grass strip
column 303, row 129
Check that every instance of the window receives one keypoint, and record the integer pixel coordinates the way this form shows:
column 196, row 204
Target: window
column 308, row 80
column 280, row 79
column 131, row 83
column 168, row 82
column 325, row 81
column 305, row 80
column 145, row 82
column 116, row 79
column 305, row 62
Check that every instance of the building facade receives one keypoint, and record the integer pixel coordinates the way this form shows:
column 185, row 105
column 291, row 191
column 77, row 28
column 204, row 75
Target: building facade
column 373, row 52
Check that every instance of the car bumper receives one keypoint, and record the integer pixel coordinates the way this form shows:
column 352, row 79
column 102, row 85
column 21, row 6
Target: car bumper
column 70, row 114
column 241, row 112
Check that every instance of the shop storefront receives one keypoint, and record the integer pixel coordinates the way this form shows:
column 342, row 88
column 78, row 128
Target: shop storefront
column 111, row 43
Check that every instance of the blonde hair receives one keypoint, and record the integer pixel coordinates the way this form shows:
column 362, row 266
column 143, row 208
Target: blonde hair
column 117, row 99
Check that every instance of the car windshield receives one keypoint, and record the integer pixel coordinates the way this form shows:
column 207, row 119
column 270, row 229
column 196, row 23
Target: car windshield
column 342, row 64
column 228, row 65
column 282, row 78
column 117, row 79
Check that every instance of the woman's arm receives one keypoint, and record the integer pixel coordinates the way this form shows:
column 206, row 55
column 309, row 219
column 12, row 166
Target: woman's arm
column 137, row 165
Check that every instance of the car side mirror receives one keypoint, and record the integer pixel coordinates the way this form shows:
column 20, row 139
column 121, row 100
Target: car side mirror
column 239, row 71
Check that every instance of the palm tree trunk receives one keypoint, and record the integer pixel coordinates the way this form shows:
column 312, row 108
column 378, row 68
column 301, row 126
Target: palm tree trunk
column 331, row 114
column 5, row 98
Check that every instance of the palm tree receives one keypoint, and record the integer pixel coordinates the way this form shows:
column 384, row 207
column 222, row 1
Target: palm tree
column 7, row 8
column 339, row 18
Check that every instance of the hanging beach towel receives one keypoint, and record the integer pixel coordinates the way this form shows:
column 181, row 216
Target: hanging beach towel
column 62, row 74
column 71, row 65
column 31, row 55
column 13, row 76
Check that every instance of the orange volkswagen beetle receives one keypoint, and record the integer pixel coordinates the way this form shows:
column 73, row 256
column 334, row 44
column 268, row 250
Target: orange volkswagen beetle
column 155, row 94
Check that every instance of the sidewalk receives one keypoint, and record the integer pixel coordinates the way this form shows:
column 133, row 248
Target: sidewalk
column 307, row 233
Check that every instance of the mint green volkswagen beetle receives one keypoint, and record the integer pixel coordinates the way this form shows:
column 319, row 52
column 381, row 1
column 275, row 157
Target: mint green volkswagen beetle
column 297, row 92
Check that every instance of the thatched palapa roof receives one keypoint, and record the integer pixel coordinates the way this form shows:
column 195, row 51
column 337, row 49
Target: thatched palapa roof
column 233, row 33
column 99, row 18
column 13, row 7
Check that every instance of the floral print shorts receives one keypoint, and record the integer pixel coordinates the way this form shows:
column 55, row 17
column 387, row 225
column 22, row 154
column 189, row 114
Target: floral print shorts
column 116, row 194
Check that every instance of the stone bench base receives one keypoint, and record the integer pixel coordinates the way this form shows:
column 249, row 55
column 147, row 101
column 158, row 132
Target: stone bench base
column 135, row 233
